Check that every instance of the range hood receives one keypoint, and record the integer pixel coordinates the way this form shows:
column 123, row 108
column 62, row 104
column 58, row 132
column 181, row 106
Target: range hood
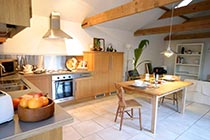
column 55, row 32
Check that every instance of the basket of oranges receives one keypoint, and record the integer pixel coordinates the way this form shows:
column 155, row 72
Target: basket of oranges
column 35, row 107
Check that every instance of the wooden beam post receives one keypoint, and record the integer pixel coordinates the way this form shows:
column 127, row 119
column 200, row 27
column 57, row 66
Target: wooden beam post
column 130, row 8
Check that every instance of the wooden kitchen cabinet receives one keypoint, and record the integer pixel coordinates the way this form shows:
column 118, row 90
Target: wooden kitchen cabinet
column 83, row 88
column 115, row 70
column 15, row 12
column 107, row 69
column 43, row 82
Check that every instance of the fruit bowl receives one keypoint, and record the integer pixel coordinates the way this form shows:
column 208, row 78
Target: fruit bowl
column 36, row 114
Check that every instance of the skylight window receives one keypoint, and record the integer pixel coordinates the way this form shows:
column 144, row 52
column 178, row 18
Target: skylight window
column 183, row 3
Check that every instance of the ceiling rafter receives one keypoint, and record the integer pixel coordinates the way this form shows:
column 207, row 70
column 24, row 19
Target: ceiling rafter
column 130, row 8
column 204, row 24
column 167, row 9
column 189, row 36
column 200, row 6
column 192, row 36
column 198, row 18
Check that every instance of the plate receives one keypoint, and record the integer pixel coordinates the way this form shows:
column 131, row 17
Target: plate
column 167, row 79
column 71, row 63
column 144, row 85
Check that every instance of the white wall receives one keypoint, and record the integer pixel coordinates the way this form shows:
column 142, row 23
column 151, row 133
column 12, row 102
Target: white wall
column 206, row 56
column 30, row 42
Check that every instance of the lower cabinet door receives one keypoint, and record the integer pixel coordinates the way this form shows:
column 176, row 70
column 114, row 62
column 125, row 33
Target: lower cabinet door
column 83, row 88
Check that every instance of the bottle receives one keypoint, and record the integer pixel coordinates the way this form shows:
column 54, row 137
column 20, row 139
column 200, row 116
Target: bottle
column 182, row 51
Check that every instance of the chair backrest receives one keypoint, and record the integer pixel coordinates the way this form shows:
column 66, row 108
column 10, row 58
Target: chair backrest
column 120, row 95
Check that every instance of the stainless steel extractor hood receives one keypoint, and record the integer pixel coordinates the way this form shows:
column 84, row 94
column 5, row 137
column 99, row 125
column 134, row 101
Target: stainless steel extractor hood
column 55, row 32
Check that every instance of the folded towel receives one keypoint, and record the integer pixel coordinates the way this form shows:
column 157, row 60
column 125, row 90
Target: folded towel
column 195, row 87
column 205, row 88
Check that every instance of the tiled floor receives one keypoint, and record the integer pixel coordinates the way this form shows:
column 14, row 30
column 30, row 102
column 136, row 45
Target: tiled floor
column 93, row 120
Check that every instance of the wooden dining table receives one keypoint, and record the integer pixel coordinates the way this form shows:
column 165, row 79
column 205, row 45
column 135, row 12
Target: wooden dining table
column 156, row 92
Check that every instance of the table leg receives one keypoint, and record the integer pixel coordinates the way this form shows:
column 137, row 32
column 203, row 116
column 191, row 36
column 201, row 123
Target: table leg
column 154, row 102
column 182, row 109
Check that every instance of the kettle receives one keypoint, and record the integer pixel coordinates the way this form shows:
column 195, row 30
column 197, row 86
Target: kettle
column 6, row 109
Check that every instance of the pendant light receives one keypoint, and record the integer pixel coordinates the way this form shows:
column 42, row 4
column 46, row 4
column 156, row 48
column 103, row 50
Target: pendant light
column 169, row 52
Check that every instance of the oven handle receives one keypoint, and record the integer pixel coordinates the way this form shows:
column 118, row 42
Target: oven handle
column 65, row 80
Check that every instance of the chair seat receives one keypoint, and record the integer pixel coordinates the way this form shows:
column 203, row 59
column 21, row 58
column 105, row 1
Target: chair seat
column 132, row 104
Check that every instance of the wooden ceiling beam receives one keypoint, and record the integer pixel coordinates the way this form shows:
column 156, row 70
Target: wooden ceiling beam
column 175, row 28
column 198, row 19
column 167, row 9
column 189, row 36
column 130, row 8
column 200, row 6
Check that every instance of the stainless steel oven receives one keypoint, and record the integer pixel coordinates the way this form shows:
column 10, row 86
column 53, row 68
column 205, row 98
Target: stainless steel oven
column 63, row 87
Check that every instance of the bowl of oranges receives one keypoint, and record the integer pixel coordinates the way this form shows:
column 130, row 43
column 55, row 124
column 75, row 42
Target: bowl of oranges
column 35, row 107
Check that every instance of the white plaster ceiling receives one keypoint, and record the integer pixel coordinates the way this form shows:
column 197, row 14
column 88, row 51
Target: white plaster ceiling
column 78, row 10
column 73, row 10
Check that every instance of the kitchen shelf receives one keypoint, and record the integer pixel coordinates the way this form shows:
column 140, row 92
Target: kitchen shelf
column 188, row 61
column 193, row 55
column 190, row 65
column 186, row 74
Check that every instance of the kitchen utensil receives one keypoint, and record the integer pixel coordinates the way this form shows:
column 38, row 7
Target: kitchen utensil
column 28, row 68
column 6, row 109
column 38, row 114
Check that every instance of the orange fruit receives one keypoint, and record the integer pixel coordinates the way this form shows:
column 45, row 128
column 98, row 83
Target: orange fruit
column 24, row 102
column 35, row 103
column 45, row 100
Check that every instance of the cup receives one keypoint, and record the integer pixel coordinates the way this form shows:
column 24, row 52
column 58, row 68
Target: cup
column 28, row 68
column 147, row 76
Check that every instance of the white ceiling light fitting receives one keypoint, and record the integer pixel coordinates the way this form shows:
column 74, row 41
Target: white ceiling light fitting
column 183, row 3
column 169, row 52
column 55, row 32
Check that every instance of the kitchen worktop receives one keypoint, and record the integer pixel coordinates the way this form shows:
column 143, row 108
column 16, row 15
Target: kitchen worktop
column 58, row 72
column 18, row 93
column 16, row 129
column 49, row 129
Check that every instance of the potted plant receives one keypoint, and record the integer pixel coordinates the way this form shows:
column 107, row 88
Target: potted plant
column 137, row 54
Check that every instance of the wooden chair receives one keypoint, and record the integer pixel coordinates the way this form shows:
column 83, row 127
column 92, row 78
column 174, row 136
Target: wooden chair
column 174, row 97
column 126, row 106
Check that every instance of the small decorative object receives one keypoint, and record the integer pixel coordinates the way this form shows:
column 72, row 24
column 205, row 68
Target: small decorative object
column 71, row 63
column 183, row 49
column 188, row 52
column 196, row 61
column 98, row 44
column 109, row 48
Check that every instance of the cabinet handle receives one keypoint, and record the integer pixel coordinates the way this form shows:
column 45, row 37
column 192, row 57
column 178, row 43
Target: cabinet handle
column 75, row 86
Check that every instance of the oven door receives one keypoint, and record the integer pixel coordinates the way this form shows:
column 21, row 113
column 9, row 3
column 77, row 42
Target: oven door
column 63, row 90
